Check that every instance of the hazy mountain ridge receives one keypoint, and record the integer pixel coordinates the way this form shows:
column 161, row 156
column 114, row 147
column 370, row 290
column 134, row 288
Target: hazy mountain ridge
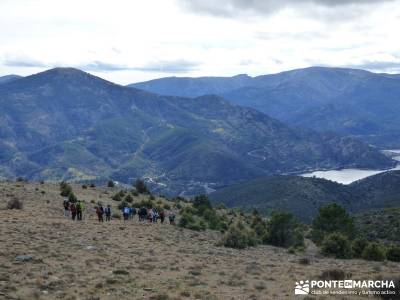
column 347, row 101
column 67, row 124
column 303, row 196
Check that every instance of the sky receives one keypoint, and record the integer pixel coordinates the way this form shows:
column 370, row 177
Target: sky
column 128, row 41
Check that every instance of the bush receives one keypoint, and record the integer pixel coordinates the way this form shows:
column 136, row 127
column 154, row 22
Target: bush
column 167, row 206
column 72, row 198
column 284, row 231
column 129, row 198
column 358, row 246
column 84, row 186
column 110, row 184
column 152, row 197
column 201, row 203
column 141, row 187
column 331, row 218
column 92, row 185
column 393, row 253
column 239, row 237
column 374, row 251
column 336, row 245
column 65, row 189
column 15, row 204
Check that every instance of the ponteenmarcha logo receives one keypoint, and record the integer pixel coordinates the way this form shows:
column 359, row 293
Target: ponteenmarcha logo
column 302, row 288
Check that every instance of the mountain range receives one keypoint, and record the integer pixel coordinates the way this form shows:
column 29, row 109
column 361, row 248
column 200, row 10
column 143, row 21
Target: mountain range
column 346, row 101
column 303, row 196
column 65, row 124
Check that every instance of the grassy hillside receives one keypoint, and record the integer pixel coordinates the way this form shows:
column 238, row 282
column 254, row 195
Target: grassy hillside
column 46, row 256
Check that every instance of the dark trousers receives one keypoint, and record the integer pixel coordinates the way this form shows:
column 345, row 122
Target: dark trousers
column 108, row 217
column 79, row 215
column 100, row 216
column 73, row 216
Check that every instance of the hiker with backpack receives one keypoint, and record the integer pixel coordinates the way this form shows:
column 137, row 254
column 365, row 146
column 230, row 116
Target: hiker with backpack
column 125, row 213
column 66, row 207
column 79, row 210
column 108, row 213
column 162, row 216
column 100, row 212
column 171, row 218
column 72, row 209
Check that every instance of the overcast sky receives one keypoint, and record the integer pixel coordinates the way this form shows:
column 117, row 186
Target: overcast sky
column 135, row 40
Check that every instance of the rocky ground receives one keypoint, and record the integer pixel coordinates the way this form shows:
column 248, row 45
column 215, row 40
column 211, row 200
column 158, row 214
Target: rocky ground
column 44, row 255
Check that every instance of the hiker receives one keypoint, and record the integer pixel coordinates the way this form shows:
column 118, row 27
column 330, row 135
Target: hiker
column 162, row 217
column 66, row 208
column 171, row 218
column 100, row 212
column 79, row 210
column 133, row 212
column 72, row 208
column 108, row 213
column 125, row 212
column 155, row 215
column 150, row 215
column 142, row 214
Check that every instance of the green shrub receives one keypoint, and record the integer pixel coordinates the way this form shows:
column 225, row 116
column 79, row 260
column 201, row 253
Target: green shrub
column 239, row 237
column 284, row 231
column 332, row 218
column 393, row 253
column 141, row 187
column 374, row 251
column 358, row 246
column 65, row 189
column 201, row 203
column 167, row 206
column 129, row 198
column 84, row 186
column 110, row 184
column 336, row 245
column 72, row 198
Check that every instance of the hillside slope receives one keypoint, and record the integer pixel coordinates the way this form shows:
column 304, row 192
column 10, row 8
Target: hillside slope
column 67, row 124
column 131, row 260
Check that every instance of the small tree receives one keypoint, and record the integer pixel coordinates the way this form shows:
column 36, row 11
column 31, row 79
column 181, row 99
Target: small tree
column 72, row 197
column 15, row 203
column 141, row 187
column 374, row 251
column 284, row 231
column 336, row 245
column 358, row 246
column 393, row 253
column 110, row 184
column 201, row 203
column 65, row 189
column 332, row 218
column 129, row 198
column 239, row 237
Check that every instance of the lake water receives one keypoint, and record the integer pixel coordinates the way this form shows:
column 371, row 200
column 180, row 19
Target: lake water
column 347, row 176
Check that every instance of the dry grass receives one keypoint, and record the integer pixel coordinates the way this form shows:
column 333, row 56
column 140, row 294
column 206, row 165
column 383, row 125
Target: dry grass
column 132, row 260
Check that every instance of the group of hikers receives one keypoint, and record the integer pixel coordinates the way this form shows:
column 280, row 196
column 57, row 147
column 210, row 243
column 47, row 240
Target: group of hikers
column 75, row 210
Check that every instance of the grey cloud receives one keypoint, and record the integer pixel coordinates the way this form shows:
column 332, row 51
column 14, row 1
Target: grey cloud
column 231, row 8
column 23, row 62
column 162, row 66
column 174, row 66
column 379, row 66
